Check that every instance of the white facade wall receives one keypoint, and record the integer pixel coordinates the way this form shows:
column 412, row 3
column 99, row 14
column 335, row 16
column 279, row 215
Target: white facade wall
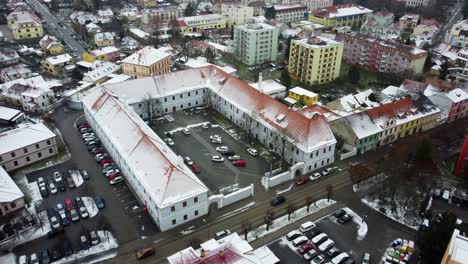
column 287, row 16
column 237, row 15
column 313, row 5
column 417, row 3
column 29, row 154
column 42, row 101
column 6, row 208
column 256, row 43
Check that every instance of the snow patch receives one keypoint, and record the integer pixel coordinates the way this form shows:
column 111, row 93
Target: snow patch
column 8, row 258
column 398, row 216
column 31, row 188
column 77, row 178
column 108, row 242
column 90, row 206
column 188, row 230
column 31, row 234
column 362, row 225
column 238, row 210
column 285, row 190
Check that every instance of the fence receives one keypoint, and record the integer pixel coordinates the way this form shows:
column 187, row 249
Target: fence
column 223, row 200
column 278, row 179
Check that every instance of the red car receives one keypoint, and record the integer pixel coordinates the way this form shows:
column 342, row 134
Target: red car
column 304, row 248
column 84, row 126
column 69, row 204
column 240, row 163
column 195, row 168
column 302, row 180
column 99, row 151
column 112, row 176
column 103, row 162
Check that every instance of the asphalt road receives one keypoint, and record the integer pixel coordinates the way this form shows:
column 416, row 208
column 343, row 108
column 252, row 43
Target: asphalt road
column 64, row 33
column 457, row 15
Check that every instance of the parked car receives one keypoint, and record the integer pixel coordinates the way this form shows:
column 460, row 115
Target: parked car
column 234, row 157
column 301, row 180
column 74, row 215
column 67, row 248
column 52, row 188
column 185, row 131
column 252, row 151
column 307, row 226
column 317, row 260
column 188, row 160
column 113, row 176
column 23, row 260
column 83, row 126
column 169, row 134
column 327, row 171
column 54, row 222
column 339, row 213
column 143, row 253
column 333, row 252
column 87, row 135
column 293, row 235
column 169, row 142
column 83, row 212
column 100, row 203
column 111, row 172
column 116, row 180
column 93, row 144
column 310, row 254
column 222, row 149
column 446, row 195
column 229, row 153
column 222, row 234
column 33, row 259
column 62, row 214
column 100, row 156
column 217, row 141
column 84, row 242
column 70, row 182
column 79, row 202
column 41, row 182
column 195, row 168
column 215, row 137
column 57, row 176
column 61, row 186
column 315, row 176
column 97, row 150
column 205, row 125
column 45, row 259
column 345, row 218
column 85, row 130
column 278, row 200
column 43, row 190
column 94, row 237
column 366, row 258
column 436, row 193
column 239, row 163
column 106, row 161
column 304, row 248
column 312, row 233
column 320, row 238
column 217, row 159
column 326, row 245
column 299, row 241
column 69, row 205
column 340, row 258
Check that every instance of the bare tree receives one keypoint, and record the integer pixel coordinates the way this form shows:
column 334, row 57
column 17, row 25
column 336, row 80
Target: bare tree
column 359, row 173
column 329, row 191
column 246, row 227
column 291, row 209
column 268, row 219
column 150, row 106
column 309, row 201
column 280, row 142
column 195, row 242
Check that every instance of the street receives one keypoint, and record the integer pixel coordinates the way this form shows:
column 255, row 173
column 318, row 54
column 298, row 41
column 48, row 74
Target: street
column 58, row 30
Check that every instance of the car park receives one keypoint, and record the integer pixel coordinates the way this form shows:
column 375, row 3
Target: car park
column 195, row 168
column 310, row 254
column 116, row 180
column 304, row 248
column 318, row 239
column 301, row 180
column 317, row 260
column 239, row 163
column 143, row 253
column 169, row 142
column 345, row 218
column 332, row 252
column 84, row 242
column 222, row 149
column 293, row 235
column 252, row 151
column 185, row 131
column 307, row 226
column 93, row 236
column 188, row 160
column 299, row 241
column 169, row 134
column 326, row 245
column 278, row 200
column 33, row 259
column 234, row 157
column 315, row 176
column 327, row 171
column 100, row 203
column 339, row 213
column 340, row 258
column 217, row 159
column 222, row 234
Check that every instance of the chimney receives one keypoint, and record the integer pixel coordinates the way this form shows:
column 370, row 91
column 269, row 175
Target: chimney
column 260, row 82
column 202, row 253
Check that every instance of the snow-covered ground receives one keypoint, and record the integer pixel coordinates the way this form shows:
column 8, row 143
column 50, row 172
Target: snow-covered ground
column 90, row 206
column 283, row 220
column 8, row 258
column 32, row 189
column 399, row 215
column 107, row 243
column 77, row 178
column 29, row 235
column 278, row 192
column 238, row 210
column 362, row 225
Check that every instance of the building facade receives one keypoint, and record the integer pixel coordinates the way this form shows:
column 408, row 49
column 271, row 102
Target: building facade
column 256, row 43
column 409, row 21
column 104, row 39
column 26, row 145
column 317, row 4
column 458, row 34
column 302, row 95
column 25, row 25
column 147, row 62
column 104, row 54
column 50, row 45
column 459, row 104
column 57, row 65
column 418, row 3
column 350, row 15
column 315, row 60
column 202, row 22
column 379, row 55
column 236, row 14
column 153, row 18
column 8, row 57
column 11, row 197
column 287, row 13
column 15, row 72
column 381, row 25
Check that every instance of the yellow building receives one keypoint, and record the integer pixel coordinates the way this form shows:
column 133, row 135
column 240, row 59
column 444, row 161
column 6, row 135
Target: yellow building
column 103, row 54
column 147, row 62
column 25, row 25
column 302, row 95
column 57, row 65
column 148, row 3
column 315, row 60
column 50, row 45
column 104, row 39
column 456, row 249
column 200, row 23
column 351, row 15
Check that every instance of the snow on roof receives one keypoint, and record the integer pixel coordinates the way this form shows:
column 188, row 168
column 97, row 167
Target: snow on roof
column 21, row 17
column 318, row 109
column 288, row 7
column 302, row 91
column 84, row 64
column 105, row 68
column 101, row 36
column 146, row 56
column 156, row 167
column 342, row 11
column 116, row 78
column 9, row 114
column 17, row 70
column 24, row 136
column 457, row 95
column 235, row 251
column 269, row 87
column 391, row 90
column 458, row 247
column 307, row 134
column 59, row 59
column 362, row 125
column 139, row 33
column 8, row 54
column 193, row 20
column 9, row 191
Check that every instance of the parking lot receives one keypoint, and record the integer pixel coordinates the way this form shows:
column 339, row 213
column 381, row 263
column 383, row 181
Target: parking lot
column 122, row 215
column 198, row 146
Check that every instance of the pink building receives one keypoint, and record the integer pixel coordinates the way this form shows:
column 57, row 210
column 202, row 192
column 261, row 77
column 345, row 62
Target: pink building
column 459, row 107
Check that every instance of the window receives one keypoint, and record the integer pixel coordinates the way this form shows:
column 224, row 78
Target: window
column 185, row 217
column 15, row 163
column 172, row 208
column 195, row 200
column 165, row 99
column 37, row 146
column 48, row 142
column 28, row 159
column 184, row 204
column 196, row 212
column 13, row 155
column 39, row 155
column 25, row 150
column 51, row 151
column 181, row 96
column 174, row 221
column 173, row 98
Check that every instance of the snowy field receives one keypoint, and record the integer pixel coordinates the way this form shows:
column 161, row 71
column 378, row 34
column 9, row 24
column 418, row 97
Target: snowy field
column 90, row 206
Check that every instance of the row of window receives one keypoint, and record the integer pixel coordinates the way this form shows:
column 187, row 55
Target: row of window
column 28, row 158
column 316, row 164
column 184, row 204
column 26, row 150
column 174, row 221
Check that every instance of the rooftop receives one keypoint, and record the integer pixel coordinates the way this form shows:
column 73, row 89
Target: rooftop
column 269, row 86
column 24, row 136
column 146, row 56
column 255, row 27
column 9, row 191
column 458, row 247
column 59, row 59
column 457, row 95
column 200, row 18
column 9, row 114
column 341, row 11
column 8, row 54
column 317, row 42
column 362, row 125
column 21, row 17
column 302, row 91
column 104, row 69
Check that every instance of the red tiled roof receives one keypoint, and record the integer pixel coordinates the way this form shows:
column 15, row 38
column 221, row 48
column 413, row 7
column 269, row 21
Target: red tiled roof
column 391, row 110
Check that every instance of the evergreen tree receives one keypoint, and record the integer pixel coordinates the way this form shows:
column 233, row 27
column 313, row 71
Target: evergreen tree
column 354, row 75
column 189, row 10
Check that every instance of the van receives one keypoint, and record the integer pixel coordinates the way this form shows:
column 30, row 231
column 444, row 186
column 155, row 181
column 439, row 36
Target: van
column 307, row 226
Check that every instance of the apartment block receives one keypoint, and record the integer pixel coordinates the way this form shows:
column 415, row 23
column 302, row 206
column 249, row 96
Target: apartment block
column 147, row 62
column 25, row 145
column 155, row 17
column 288, row 13
column 351, row 15
column 256, row 43
column 200, row 23
column 379, row 55
column 315, row 60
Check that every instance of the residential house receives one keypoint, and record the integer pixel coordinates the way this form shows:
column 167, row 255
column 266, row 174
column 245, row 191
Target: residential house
column 409, row 21
column 100, row 71
column 58, row 65
column 104, row 39
column 201, row 22
column 286, row 13
column 10, row 116
column 351, row 15
column 423, row 33
column 457, row 36
column 83, row 18
column 93, row 29
column 15, row 72
column 8, row 57
column 303, row 96
column 103, row 54
column 25, row 25
column 255, row 43
column 130, row 12
column 11, row 197
column 148, row 61
column 50, row 45
column 315, row 60
column 381, row 25
column 375, row 55
column 25, row 145
column 418, row 3
column 105, row 16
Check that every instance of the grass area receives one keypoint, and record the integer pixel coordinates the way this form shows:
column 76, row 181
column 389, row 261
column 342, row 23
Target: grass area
column 366, row 76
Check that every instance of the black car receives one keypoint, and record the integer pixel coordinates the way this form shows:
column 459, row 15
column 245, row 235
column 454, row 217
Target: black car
column 44, row 257
column 229, row 153
column 333, row 252
column 44, row 192
column 61, row 186
column 8, row 229
column 278, row 200
column 94, row 145
column 169, row 134
column 345, row 218
column 312, row 233
column 79, row 202
column 339, row 213
column 56, row 255
column 96, row 149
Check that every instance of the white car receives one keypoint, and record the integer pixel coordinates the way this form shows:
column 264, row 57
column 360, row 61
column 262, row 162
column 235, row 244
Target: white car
column 52, row 188
column 315, row 176
column 222, row 149
column 205, row 125
column 340, row 258
column 85, row 135
column 185, row 131
column 327, row 171
column 299, row 241
column 57, row 176
column 41, row 182
column 188, row 161
column 252, row 151
column 169, row 142
column 23, row 260
column 110, row 172
column 307, row 226
column 446, row 195
column 319, row 238
column 326, row 245
column 215, row 136
column 234, row 157
column 217, row 159
column 83, row 212
column 217, row 141
column 54, row 222
column 33, row 259
column 317, row 260
column 293, row 234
